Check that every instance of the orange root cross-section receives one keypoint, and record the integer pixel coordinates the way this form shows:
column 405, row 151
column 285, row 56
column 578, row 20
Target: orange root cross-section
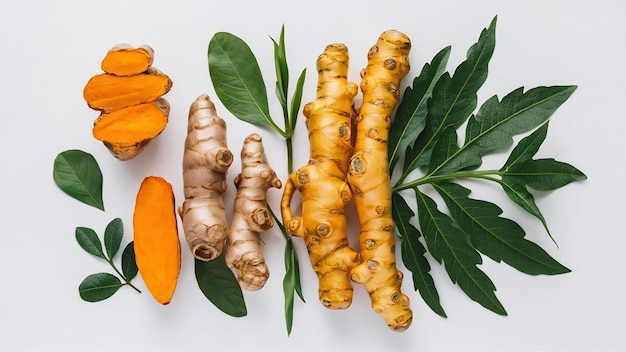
column 369, row 179
column 322, row 182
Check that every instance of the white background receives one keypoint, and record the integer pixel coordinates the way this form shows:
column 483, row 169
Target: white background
column 49, row 49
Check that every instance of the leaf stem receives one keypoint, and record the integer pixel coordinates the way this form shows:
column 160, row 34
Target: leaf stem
column 126, row 281
column 480, row 174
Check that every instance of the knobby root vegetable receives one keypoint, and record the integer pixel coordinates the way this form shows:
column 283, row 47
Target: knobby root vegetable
column 251, row 215
column 369, row 178
column 126, row 60
column 322, row 182
column 156, row 242
column 128, row 96
column 126, row 132
column 205, row 164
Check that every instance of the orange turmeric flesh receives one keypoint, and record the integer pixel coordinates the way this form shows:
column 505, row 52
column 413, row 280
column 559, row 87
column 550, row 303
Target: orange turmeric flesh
column 157, row 247
column 127, row 60
column 106, row 92
column 134, row 123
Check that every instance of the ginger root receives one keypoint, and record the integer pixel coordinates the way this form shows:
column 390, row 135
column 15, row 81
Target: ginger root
column 369, row 178
column 205, row 164
column 156, row 243
column 322, row 182
column 128, row 96
column 251, row 215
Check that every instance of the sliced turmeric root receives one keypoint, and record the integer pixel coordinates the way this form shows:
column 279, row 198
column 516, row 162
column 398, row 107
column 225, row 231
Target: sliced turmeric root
column 106, row 92
column 126, row 132
column 126, row 60
column 157, row 247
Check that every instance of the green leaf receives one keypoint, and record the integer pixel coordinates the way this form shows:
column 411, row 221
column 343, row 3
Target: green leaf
column 516, row 190
column 413, row 252
column 454, row 97
column 410, row 117
column 291, row 283
column 129, row 265
column 296, row 101
column 77, row 173
column 545, row 174
column 446, row 146
column 98, row 287
column 237, row 79
column 113, row 237
column 497, row 122
column 282, row 70
column 218, row 283
column 89, row 241
column 499, row 238
column 450, row 245
column 527, row 147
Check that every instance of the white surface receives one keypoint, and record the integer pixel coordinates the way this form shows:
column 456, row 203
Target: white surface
column 49, row 49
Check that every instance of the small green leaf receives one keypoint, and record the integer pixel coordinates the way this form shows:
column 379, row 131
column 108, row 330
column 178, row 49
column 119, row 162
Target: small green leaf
column 545, row 174
column 238, row 81
column 527, row 147
column 516, row 190
column 499, row 238
column 446, row 146
column 296, row 100
column 290, row 282
column 98, row 287
column 89, row 241
column 77, row 173
column 454, row 98
column 129, row 265
column 410, row 117
column 218, row 283
column 450, row 245
column 281, row 68
column 113, row 237
column 413, row 252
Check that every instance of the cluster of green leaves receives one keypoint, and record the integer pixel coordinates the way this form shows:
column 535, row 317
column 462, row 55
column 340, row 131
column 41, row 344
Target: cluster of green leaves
column 239, row 84
column 424, row 151
column 100, row 286
column 78, row 174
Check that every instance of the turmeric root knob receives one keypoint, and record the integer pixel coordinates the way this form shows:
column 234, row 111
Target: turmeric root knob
column 250, row 215
column 322, row 182
column 205, row 164
column 369, row 178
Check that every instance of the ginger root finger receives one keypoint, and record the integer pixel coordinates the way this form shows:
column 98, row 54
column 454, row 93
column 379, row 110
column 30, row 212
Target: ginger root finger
column 206, row 160
column 250, row 215
column 369, row 178
column 156, row 242
column 106, row 92
column 322, row 182
column 126, row 132
column 126, row 60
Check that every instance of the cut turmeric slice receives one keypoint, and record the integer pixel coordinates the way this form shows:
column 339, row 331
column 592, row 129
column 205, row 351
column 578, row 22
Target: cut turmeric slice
column 126, row 132
column 157, row 247
column 126, row 60
column 106, row 92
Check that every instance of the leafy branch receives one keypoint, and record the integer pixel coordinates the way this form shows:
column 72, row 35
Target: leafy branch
column 239, row 85
column 424, row 137
column 100, row 286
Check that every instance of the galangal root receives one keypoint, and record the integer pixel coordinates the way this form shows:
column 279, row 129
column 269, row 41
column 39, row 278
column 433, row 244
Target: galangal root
column 369, row 178
column 128, row 96
column 322, row 182
column 206, row 160
column 251, row 215
column 156, row 242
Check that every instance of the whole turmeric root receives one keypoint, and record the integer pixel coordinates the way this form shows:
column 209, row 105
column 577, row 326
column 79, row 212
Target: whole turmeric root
column 369, row 178
column 250, row 215
column 205, row 163
column 322, row 182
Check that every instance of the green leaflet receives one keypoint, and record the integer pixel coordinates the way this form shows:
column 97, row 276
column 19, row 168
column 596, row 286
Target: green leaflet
column 238, row 81
column 413, row 252
column 89, row 241
column 454, row 98
column 410, row 117
column 98, row 287
column 78, row 174
column 450, row 245
column 218, row 283
column 496, row 122
column 129, row 265
column 499, row 238
column 113, row 237
column 545, row 174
